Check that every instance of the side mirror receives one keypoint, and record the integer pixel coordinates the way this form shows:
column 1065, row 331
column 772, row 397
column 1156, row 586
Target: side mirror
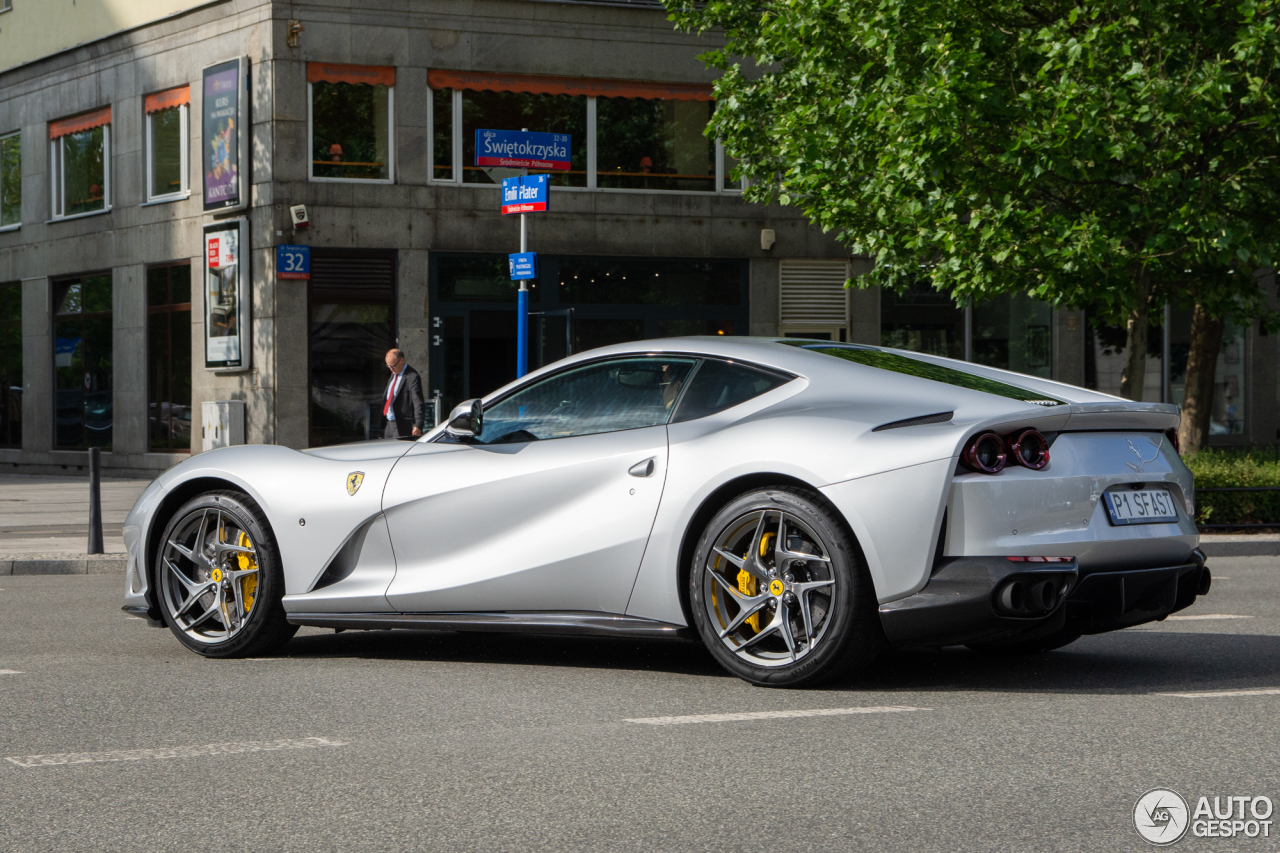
column 466, row 419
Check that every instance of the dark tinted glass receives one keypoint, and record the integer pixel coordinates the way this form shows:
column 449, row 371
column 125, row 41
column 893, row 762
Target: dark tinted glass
column 166, row 152
column 11, row 365
column 650, row 281
column 478, row 278
column 515, row 110
column 719, row 385
column 604, row 397
column 654, row 144
column 442, row 135
column 350, row 131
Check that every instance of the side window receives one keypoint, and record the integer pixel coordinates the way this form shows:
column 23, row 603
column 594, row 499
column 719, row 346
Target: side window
column 625, row 393
column 719, row 385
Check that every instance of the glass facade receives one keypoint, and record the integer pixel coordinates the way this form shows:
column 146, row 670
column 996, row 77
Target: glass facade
column 82, row 363
column 11, row 365
column 1013, row 333
column 169, row 358
column 167, row 141
column 517, row 110
column 922, row 319
column 80, row 172
column 654, row 145
column 351, row 131
column 584, row 302
column 10, row 180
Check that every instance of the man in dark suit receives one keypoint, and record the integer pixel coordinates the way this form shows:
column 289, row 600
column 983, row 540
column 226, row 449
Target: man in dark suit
column 402, row 403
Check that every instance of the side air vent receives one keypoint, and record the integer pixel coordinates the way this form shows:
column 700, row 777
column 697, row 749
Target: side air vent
column 939, row 418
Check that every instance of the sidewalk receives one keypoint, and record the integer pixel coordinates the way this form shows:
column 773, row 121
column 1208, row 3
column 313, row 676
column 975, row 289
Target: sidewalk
column 44, row 524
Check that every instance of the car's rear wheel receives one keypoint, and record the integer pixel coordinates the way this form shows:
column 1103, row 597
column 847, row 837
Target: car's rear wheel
column 779, row 594
column 220, row 579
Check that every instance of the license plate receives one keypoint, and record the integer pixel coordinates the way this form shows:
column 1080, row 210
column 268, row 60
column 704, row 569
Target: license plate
column 1144, row 506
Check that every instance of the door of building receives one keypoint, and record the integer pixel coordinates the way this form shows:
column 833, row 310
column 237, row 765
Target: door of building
column 352, row 314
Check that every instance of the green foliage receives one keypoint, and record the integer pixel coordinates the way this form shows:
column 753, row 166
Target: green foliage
column 1063, row 150
column 1226, row 468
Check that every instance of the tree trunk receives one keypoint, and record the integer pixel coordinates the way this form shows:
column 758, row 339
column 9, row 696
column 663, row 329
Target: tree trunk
column 1202, row 364
column 1134, row 373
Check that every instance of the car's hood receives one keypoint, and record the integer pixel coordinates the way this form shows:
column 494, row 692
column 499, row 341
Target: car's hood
column 361, row 451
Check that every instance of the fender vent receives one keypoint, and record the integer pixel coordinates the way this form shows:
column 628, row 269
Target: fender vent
column 939, row 418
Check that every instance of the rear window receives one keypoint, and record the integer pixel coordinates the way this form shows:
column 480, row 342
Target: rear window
column 719, row 385
column 925, row 370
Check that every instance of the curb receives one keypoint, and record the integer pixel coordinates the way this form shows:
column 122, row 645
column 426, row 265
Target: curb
column 1264, row 548
column 107, row 564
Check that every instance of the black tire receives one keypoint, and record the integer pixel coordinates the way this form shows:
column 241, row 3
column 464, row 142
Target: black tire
column 264, row 628
column 1035, row 646
column 851, row 636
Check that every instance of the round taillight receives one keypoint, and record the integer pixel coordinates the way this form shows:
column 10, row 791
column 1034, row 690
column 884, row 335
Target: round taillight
column 1030, row 449
column 985, row 452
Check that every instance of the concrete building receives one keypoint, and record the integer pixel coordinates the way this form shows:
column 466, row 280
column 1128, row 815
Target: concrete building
column 115, row 317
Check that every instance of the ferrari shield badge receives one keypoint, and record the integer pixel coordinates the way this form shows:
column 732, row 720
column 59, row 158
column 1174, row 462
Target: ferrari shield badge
column 354, row 479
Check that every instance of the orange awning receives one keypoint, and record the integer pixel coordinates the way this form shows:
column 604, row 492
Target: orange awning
column 167, row 99
column 75, row 124
column 370, row 75
column 438, row 79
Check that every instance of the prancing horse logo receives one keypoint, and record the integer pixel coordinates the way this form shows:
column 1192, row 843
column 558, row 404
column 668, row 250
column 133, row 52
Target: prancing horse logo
column 1142, row 462
column 354, row 479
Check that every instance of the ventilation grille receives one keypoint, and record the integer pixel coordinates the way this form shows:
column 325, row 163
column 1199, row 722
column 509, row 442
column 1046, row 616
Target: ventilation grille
column 813, row 293
column 346, row 279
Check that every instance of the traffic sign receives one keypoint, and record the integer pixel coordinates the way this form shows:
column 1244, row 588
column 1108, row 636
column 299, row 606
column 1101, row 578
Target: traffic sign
column 525, row 194
column 524, row 265
column 293, row 262
column 523, row 149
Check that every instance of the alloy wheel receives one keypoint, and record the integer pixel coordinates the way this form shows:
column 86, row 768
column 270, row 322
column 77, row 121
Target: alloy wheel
column 209, row 576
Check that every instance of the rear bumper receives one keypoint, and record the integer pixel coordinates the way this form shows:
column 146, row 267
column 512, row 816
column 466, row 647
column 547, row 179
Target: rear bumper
column 973, row 599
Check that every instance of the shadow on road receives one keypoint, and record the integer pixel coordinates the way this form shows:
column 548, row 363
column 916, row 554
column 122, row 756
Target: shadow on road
column 1132, row 662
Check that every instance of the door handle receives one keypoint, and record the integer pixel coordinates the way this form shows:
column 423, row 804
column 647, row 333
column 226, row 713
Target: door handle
column 641, row 469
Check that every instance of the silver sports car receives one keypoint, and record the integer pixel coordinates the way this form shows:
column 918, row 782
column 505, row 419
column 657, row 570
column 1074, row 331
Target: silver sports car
column 798, row 505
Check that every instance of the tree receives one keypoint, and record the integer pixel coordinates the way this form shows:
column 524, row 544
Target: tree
column 1111, row 155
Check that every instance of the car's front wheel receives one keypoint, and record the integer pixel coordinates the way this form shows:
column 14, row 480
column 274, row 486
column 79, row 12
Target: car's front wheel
column 219, row 577
column 779, row 594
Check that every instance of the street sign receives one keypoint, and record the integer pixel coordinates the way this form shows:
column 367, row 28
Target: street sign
column 524, row 265
column 522, row 149
column 293, row 262
column 525, row 194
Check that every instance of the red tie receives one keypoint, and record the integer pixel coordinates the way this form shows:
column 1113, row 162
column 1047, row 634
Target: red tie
column 391, row 393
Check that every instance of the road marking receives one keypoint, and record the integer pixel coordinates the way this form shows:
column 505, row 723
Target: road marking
column 1215, row 694
column 10, row 672
column 171, row 752
column 771, row 715
column 1199, row 616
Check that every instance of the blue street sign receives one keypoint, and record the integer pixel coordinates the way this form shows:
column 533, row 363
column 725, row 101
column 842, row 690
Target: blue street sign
column 522, row 149
column 523, row 265
column 293, row 262
column 525, row 194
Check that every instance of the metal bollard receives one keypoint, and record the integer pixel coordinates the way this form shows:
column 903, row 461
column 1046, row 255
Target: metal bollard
column 95, row 501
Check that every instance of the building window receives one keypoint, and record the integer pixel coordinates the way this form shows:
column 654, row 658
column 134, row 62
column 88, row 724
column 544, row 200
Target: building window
column 169, row 358
column 518, row 110
column 167, row 167
column 626, row 136
column 654, row 145
column 440, row 116
column 351, row 127
column 80, row 160
column 922, row 319
column 10, row 181
column 82, row 343
column 1012, row 332
column 11, row 365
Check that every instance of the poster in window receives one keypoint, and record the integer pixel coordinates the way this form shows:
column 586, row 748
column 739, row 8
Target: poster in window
column 225, row 108
column 226, row 296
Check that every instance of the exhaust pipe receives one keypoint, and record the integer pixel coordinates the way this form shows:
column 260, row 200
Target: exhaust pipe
column 1206, row 581
column 1013, row 597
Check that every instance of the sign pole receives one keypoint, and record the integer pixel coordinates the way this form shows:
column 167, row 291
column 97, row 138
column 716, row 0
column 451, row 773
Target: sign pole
column 522, row 302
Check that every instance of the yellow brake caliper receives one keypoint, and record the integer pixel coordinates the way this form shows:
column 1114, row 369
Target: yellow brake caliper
column 747, row 582
column 248, row 583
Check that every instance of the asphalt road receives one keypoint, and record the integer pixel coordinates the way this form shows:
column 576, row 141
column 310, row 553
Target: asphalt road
column 388, row 741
